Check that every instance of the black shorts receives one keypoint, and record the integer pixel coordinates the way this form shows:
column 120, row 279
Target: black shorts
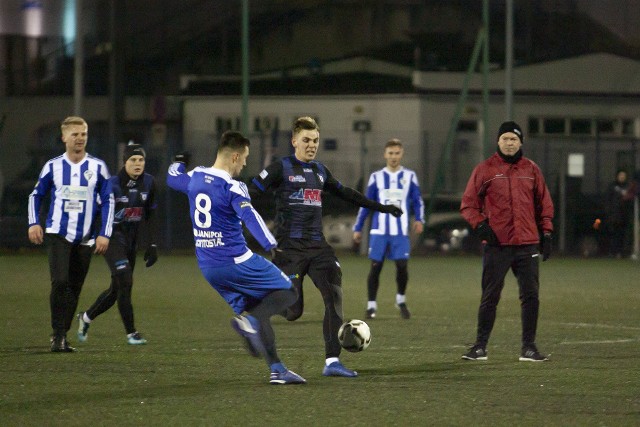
column 298, row 258
column 121, row 254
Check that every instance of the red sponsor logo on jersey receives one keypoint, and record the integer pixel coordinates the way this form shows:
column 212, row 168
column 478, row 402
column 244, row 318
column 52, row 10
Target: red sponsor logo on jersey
column 133, row 214
column 312, row 195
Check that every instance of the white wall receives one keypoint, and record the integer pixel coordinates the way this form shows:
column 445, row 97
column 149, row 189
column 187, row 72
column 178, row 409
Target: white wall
column 391, row 116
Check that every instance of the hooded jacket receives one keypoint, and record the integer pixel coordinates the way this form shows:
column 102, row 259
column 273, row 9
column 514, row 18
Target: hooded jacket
column 513, row 197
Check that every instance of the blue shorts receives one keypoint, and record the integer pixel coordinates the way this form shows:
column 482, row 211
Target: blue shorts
column 391, row 247
column 244, row 285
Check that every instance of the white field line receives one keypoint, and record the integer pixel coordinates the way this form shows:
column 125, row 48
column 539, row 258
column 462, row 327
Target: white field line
column 600, row 342
column 601, row 325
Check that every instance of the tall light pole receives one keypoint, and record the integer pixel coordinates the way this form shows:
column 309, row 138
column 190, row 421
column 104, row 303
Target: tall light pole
column 245, row 67
column 78, row 61
column 508, row 62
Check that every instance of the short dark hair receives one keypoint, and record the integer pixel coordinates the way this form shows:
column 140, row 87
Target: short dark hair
column 233, row 141
column 304, row 123
column 393, row 142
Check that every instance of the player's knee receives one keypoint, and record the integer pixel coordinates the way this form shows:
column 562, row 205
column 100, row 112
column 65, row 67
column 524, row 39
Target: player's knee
column 332, row 294
column 123, row 280
column 293, row 313
column 289, row 296
column 122, row 267
column 376, row 269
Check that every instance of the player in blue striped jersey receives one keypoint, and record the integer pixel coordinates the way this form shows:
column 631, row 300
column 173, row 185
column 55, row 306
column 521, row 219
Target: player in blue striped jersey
column 80, row 192
column 389, row 236
column 219, row 205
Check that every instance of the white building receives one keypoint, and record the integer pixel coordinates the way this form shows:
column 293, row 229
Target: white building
column 585, row 105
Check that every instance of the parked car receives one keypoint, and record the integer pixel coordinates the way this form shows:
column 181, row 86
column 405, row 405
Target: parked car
column 445, row 231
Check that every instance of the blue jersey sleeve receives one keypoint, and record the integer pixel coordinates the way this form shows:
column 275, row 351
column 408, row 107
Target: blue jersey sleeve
column 416, row 199
column 107, row 207
column 42, row 187
column 241, row 203
column 177, row 179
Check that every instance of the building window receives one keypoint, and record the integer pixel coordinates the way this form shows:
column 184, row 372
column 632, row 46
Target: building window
column 606, row 127
column 584, row 126
column 580, row 126
column 330, row 144
column 554, row 126
column 628, row 127
column 467, row 126
column 225, row 123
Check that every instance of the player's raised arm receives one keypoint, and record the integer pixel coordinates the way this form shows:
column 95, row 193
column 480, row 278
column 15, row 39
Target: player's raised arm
column 349, row 194
column 176, row 176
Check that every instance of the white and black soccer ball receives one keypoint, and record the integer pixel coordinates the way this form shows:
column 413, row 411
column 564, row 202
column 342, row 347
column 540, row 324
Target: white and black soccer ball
column 354, row 335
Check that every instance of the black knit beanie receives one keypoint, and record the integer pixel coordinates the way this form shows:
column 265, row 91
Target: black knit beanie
column 511, row 127
column 133, row 149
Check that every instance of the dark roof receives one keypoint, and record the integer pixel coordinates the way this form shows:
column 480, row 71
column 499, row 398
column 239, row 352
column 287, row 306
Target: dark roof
column 345, row 84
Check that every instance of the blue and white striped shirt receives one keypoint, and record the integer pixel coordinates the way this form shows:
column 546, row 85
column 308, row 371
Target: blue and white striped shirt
column 398, row 188
column 78, row 191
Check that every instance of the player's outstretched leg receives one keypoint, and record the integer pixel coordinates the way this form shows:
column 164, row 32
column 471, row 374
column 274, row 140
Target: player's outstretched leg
column 269, row 306
column 248, row 328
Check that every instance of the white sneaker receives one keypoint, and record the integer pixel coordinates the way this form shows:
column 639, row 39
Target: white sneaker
column 136, row 339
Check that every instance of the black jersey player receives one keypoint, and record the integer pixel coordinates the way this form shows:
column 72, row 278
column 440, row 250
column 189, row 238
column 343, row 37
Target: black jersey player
column 134, row 193
column 298, row 182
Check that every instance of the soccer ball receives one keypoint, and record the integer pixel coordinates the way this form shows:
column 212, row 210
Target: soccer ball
column 354, row 335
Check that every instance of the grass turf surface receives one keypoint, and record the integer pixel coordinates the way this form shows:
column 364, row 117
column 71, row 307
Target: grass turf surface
column 194, row 370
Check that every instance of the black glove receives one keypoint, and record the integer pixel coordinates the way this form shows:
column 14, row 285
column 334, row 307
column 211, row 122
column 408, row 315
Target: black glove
column 182, row 157
column 486, row 234
column 547, row 241
column 151, row 255
column 392, row 209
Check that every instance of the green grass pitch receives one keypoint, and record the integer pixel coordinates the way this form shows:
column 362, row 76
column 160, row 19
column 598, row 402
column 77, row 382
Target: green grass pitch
column 194, row 370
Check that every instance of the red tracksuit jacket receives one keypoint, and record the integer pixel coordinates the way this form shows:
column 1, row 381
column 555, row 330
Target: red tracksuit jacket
column 513, row 197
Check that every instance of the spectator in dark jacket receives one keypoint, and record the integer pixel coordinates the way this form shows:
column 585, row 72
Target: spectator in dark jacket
column 619, row 213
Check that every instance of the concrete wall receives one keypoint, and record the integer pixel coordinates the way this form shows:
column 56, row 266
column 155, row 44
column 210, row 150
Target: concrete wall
column 421, row 121
column 390, row 116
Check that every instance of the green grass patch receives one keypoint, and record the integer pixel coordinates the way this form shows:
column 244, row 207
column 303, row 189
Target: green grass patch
column 194, row 370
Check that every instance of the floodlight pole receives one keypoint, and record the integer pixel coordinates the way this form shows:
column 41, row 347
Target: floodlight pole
column 485, row 79
column 78, row 62
column 508, row 63
column 245, row 67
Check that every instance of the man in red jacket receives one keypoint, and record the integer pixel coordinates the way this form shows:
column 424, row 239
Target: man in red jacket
column 508, row 204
